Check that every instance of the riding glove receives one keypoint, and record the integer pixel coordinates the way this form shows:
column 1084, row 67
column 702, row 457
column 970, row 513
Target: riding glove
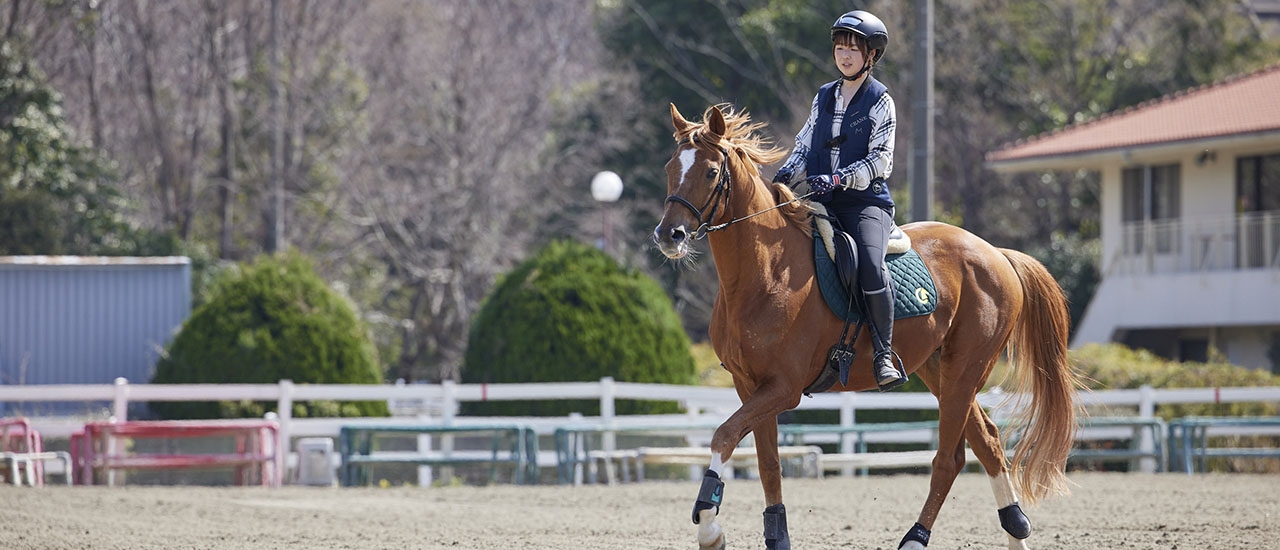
column 824, row 183
column 783, row 176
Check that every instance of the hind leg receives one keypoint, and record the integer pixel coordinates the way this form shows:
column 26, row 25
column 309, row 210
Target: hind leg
column 984, row 439
column 947, row 464
column 950, row 458
column 956, row 389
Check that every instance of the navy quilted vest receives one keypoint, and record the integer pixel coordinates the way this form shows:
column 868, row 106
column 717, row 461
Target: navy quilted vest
column 856, row 130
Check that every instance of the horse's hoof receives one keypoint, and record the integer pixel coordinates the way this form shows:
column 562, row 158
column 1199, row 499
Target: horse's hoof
column 717, row 544
column 710, row 534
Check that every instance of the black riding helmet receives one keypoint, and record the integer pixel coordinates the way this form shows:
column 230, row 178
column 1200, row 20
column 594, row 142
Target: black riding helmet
column 868, row 26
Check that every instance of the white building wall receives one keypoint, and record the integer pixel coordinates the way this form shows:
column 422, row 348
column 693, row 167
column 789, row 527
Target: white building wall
column 1209, row 189
column 1248, row 346
column 1244, row 305
column 1110, row 216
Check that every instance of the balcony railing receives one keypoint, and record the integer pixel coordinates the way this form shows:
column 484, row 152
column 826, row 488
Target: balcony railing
column 1229, row 243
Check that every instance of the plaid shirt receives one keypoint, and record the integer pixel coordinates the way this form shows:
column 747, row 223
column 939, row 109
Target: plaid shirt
column 879, row 161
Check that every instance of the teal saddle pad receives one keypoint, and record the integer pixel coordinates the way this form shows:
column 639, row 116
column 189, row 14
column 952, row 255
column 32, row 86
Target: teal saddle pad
column 913, row 290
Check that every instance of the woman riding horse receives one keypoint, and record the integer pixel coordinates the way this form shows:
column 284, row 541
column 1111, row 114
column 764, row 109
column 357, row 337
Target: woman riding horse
column 846, row 150
column 771, row 328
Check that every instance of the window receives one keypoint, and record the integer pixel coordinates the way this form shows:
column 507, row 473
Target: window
column 1151, row 194
column 1258, row 205
column 1258, row 184
column 1134, row 196
column 1194, row 349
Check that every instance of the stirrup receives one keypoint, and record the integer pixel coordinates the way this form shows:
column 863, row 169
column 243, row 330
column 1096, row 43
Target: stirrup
column 891, row 384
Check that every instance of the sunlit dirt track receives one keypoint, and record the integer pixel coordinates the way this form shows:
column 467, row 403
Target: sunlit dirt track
column 1105, row 511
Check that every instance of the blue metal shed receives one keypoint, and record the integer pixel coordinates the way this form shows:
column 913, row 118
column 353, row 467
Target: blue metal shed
column 87, row 320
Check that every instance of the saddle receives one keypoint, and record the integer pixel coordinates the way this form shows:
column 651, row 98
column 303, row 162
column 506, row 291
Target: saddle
column 844, row 252
column 836, row 265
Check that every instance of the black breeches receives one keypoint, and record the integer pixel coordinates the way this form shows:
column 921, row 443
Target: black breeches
column 869, row 227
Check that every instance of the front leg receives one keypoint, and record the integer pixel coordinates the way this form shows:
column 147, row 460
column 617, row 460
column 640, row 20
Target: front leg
column 775, row 528
column 707, row 507
column 775, row 514
column 757, row 408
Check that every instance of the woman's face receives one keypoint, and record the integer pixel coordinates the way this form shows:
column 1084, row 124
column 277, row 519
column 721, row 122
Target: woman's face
column 849, row 58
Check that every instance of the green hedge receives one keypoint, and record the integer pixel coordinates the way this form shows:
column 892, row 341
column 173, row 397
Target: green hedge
column 269, row 321
column 1114, row 367
column 571, row 313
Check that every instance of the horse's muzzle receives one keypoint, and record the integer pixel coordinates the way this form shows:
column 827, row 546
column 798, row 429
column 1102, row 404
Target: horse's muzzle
column 672, row 241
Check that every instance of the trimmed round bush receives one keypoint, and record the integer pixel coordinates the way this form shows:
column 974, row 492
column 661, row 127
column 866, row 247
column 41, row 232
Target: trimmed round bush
column 571, row 313
column 270, row 321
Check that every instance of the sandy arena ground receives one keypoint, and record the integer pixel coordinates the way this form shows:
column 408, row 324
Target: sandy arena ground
column 1106, row 511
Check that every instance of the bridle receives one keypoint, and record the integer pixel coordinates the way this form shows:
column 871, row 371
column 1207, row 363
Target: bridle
column 719, row 195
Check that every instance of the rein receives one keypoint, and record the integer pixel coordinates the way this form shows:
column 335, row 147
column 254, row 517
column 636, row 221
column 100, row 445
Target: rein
column 720, row 195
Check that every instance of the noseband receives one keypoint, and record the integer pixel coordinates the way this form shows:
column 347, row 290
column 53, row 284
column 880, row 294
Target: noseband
column 719, row 195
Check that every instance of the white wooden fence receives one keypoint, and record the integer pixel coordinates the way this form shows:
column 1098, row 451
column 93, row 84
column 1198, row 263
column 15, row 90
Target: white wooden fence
column 417, row 403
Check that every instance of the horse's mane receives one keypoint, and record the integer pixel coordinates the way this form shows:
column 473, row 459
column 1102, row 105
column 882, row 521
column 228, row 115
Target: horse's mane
column 742, row 136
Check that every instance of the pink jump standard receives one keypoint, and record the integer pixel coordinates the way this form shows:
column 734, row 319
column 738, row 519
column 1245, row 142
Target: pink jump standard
column 772, row 330
column 98, row 451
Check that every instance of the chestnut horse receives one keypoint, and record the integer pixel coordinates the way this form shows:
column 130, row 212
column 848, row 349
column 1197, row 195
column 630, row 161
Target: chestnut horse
column 772, row 330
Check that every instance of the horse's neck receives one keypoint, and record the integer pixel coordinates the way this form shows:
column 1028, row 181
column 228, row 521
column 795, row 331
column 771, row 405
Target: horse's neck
column 753, row 255
column 743, row 265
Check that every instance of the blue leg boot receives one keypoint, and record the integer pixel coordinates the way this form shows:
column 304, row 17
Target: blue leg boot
column 775, row 528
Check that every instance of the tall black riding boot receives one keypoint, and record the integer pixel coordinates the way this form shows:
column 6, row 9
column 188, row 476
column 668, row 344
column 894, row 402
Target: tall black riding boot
column 880, row 308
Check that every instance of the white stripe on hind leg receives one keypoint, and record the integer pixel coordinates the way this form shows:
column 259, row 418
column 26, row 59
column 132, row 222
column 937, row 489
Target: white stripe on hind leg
column 1002, row 486
column 912, row 545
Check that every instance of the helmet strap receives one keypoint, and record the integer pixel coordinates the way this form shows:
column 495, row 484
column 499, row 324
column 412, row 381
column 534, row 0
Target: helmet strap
column 865, row 67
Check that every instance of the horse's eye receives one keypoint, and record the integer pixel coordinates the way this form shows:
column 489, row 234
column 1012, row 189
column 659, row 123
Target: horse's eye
column 712, row 173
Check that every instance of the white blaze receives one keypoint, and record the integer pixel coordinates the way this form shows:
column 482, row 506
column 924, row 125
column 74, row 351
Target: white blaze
column 686, row 162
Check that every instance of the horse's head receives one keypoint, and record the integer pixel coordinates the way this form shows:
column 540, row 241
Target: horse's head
column 697, row 182
column 714, row 168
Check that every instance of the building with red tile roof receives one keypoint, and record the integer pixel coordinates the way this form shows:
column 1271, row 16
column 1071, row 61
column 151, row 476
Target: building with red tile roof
column 1190, row 197
column 1244, row 107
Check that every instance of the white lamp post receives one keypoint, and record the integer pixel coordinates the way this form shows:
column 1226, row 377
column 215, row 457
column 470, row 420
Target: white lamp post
column 606, row 187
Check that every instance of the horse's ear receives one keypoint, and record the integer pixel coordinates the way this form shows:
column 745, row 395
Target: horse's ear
column 716, row 123
column 678, row 121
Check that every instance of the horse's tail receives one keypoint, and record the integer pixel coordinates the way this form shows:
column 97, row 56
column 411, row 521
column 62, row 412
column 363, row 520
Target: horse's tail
column 1038, row 354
